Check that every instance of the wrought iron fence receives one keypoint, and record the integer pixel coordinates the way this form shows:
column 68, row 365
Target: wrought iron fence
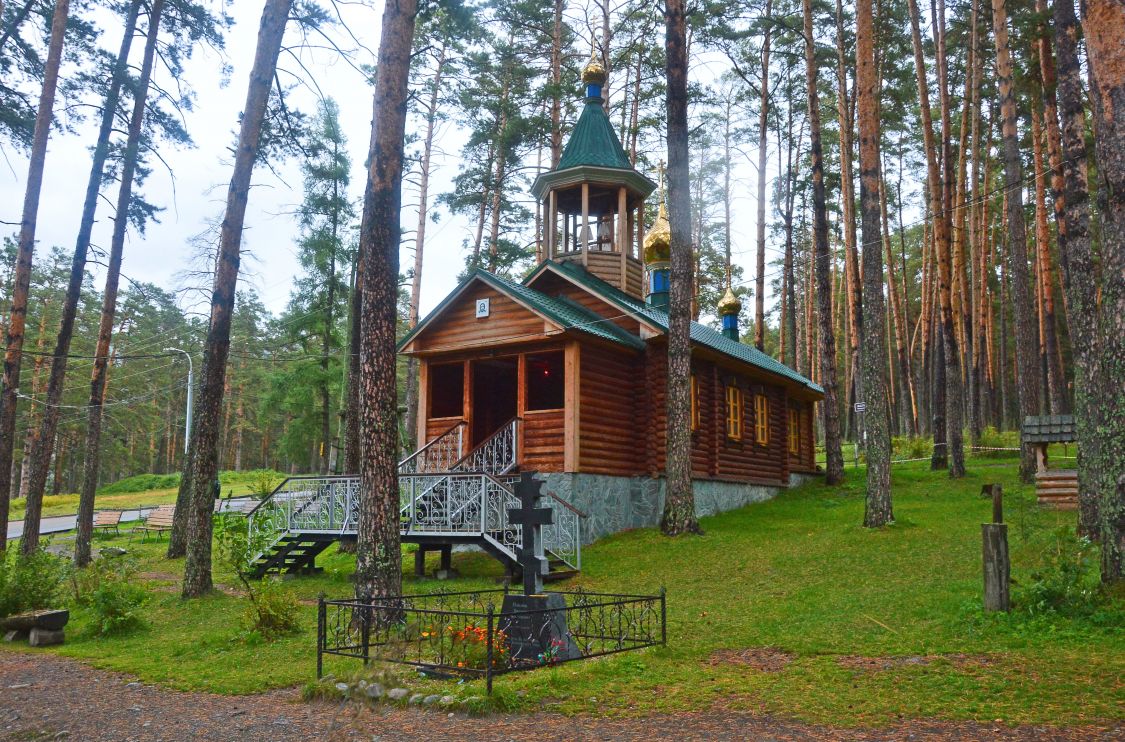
column 438, row 455
column 498, row 454
column 465, row 503
column 462, row 634
column 316, row 504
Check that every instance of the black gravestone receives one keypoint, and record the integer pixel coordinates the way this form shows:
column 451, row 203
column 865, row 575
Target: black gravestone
column 535, row 622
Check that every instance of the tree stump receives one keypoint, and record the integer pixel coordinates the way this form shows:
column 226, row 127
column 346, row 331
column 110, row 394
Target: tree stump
column 997, row 568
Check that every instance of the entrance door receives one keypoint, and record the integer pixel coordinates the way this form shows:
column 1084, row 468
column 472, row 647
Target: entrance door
column 495, row 384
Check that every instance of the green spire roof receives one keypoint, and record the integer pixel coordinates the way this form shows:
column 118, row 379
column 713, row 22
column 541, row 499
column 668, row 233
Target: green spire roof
column 593, row 141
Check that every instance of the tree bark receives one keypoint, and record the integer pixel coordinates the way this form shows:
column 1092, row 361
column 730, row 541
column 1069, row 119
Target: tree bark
column 109, row 298
column 378, row 553
column 763, row 124
column 1049, row 342
column 21, row 281
column 419, row 244
column 1027, row 367
column 878, row 511
column 679, row 501
column 1104, row 24
column 1078, row 264
column 203, row 462
column 834, row 465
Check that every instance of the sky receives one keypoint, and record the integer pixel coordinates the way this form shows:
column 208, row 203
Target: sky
column 192, row 189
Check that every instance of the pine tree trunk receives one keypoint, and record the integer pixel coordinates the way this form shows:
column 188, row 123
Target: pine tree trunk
column 98, row 379
column 1027, row 367
column 1078, row 261
column 834, row 466
column 21, row 280
column 352, row 410
column 1051, row 364
column 763, row 130
column 42, row 447
column 1104, row 24
column 878, row 511
column 679, row 501
column 205, row 433
column 420, row 243
column 556, row 83
column 378, row 552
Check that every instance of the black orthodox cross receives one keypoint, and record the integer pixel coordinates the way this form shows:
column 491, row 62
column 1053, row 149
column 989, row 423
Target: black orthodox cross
column 532, row 519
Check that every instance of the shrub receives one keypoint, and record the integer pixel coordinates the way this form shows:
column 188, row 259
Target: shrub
column 1065, row 581
column 262, row 481
column 114, row 598
column 992, row 439
column 272, row 612
column 32, row 582
column 906, row 447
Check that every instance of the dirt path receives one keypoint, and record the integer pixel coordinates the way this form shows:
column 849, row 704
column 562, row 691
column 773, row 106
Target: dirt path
column 43, row 697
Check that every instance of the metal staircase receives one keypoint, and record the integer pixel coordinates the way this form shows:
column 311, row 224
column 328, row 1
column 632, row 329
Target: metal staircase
column 446, row 497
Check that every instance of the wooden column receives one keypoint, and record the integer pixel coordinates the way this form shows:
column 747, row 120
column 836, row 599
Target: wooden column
column 620, row 238
column 641, row 232
column 572, row 401
column 552, row 224
column 467, row 412
column 423, row 401
column 521, row 400
column 585, row 231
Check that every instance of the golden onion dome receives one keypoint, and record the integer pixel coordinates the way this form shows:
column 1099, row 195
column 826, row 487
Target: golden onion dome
column 729, row 304
column 594, row 72
column 658, row 241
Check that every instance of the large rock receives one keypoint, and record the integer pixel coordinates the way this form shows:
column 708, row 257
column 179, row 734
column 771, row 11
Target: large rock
column 45, row 637
column 48, row 620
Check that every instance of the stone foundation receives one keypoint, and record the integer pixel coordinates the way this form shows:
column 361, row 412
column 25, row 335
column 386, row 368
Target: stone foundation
column 615, row 504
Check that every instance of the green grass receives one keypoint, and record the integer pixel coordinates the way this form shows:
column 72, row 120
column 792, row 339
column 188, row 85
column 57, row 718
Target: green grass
column 797, row 573
column 143, row 490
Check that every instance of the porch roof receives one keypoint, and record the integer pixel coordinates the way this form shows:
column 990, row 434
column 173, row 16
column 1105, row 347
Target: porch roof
column 567, row 314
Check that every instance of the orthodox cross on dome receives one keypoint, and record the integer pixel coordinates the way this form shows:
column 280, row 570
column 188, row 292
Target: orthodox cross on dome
column 532, row 519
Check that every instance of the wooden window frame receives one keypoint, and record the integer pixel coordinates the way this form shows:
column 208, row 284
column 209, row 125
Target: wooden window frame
column 794, row 431
column 734, row 412
column 761, row 419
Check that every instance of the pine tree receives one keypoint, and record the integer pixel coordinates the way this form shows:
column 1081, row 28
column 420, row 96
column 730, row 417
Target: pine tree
column 378, row 552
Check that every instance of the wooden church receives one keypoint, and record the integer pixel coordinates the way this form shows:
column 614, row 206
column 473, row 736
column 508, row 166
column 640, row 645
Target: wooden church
column 572, row 360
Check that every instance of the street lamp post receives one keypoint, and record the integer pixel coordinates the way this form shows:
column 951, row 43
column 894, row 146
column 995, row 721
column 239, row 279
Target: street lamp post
column 187, row 423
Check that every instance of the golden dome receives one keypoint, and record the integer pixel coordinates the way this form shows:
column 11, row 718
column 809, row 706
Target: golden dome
column 594, row 71
column 729, row 304
column 658, row 241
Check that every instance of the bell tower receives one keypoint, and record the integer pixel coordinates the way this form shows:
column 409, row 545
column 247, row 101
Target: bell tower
column 594, row 198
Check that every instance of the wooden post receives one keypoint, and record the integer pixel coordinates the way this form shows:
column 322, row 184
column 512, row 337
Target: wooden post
column 552, row 225
column 423, row 402
column 621, row 246
column 583, row 234
column 997, row 567
column 571, row 415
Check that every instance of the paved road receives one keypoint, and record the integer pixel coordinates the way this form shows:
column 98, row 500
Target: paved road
column 64, row 523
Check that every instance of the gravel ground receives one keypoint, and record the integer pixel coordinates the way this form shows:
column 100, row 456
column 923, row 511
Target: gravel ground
column 44, row 697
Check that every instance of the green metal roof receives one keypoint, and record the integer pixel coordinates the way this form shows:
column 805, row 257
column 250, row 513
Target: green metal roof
column 563, row 312
column 1048, row 429
column 593, row 141
column 700, row 334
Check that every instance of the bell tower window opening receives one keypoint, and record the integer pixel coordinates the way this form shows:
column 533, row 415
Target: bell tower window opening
column 545, row 381
column 447, row 390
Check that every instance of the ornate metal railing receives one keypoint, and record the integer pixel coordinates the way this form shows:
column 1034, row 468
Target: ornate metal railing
column 497, row 454
column 439, row 455
column 463, row 634
column 477, row 504
column 310, row 504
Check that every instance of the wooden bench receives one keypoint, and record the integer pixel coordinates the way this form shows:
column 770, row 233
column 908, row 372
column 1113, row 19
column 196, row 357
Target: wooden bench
column 107, row 519
column 158, row 521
